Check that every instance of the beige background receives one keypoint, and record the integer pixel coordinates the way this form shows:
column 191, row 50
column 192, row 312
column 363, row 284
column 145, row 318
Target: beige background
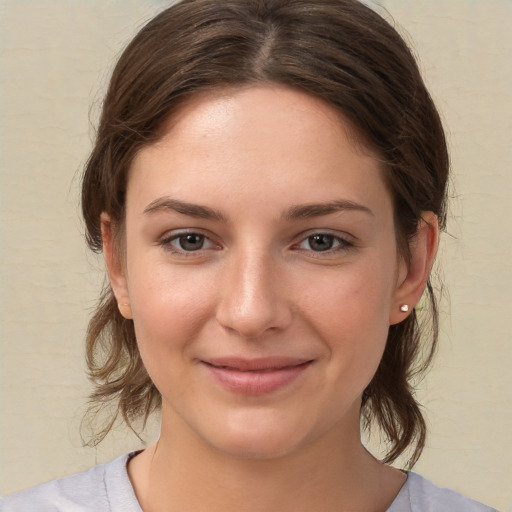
column 55, row 57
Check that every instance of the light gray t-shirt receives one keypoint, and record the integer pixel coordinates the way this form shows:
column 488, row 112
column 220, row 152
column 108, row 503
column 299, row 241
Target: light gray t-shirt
column 107, row 488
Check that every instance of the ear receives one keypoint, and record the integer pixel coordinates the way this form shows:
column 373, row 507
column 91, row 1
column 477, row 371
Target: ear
column 413, row 276
column 115, row 267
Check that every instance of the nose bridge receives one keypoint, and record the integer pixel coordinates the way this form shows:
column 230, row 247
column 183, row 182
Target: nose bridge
column 252, row 299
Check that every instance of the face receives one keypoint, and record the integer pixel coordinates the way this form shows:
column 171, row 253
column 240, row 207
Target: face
column 261, row 270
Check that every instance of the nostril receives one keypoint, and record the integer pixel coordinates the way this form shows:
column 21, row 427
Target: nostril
column 253, row 320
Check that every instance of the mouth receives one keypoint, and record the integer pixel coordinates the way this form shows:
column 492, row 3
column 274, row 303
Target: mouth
column 256, row 376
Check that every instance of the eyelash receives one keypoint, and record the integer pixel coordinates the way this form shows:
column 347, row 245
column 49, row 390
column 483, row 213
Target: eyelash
column 341, row 244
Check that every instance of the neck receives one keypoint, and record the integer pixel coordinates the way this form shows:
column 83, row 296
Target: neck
column 182, row 472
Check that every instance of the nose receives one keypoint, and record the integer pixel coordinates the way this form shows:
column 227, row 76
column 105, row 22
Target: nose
column 253, row 296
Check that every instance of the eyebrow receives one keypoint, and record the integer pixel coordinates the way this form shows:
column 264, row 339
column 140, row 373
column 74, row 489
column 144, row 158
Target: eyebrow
column 296, row 212
column 190, row 209
column 308, row 211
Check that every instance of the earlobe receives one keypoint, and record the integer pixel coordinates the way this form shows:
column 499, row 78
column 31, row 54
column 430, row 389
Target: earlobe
column 423, row 251
column 115, row 267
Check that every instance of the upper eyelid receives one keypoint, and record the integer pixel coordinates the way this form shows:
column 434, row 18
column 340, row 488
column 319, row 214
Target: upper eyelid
column 347, row 237
column 176, row 233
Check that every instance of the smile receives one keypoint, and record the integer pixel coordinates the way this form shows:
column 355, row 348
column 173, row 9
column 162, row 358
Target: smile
column 255, row 376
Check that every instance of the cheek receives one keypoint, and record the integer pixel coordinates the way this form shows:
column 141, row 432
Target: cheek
column 350, row 313
column 169, row 308
column 354, row 299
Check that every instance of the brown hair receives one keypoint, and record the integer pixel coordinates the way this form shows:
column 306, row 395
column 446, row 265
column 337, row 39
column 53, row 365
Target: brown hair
column 337, row 50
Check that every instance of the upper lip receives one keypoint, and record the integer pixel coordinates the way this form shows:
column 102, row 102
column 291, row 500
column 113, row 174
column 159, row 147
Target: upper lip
column 255, row 364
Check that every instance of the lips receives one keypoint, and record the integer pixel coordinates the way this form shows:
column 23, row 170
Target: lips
column 255, row 376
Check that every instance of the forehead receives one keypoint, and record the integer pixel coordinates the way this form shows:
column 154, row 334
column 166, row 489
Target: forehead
column 272, row 140
column 259, row 105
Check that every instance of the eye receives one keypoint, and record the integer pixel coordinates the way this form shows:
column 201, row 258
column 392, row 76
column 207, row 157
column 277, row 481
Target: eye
column 320, row 242
column 188, row 242
column 323, row 242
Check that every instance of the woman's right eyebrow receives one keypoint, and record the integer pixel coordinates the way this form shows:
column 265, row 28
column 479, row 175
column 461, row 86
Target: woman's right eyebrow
column 184, row 208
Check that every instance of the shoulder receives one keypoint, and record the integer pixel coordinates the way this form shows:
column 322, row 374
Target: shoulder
column 421, row 495
column 102, row 488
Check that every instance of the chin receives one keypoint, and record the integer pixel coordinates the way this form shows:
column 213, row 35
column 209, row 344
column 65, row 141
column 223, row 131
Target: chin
column 256, row 447
column 256, row 438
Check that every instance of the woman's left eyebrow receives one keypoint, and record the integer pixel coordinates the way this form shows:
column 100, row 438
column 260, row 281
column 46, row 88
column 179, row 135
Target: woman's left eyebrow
column 307, row 211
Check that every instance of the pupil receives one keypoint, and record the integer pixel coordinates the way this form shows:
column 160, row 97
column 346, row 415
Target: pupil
column 191, row 242
column 321, row 242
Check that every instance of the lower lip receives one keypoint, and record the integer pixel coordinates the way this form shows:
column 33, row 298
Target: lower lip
column 256, row 382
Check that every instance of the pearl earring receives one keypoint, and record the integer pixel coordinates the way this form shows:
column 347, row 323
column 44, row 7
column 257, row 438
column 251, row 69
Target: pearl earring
column 404, row 308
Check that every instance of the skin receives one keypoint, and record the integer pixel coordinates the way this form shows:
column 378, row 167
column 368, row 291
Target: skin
column 259, row 287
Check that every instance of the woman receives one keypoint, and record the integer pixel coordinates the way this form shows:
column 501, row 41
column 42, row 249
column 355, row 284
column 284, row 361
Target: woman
column 267, row 186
